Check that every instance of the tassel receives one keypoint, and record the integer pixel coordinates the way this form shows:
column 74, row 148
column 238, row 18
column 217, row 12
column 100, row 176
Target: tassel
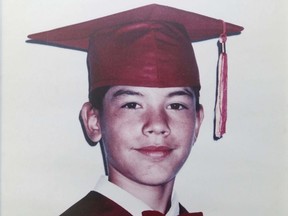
column 220, row 110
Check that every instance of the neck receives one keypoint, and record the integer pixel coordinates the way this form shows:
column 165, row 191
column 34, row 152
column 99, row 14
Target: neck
column 157, row 196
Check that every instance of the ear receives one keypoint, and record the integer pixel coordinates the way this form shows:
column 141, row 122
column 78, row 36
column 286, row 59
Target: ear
column 199, row 119
column 90, row 119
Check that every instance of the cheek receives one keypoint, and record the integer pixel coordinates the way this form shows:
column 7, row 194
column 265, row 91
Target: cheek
column 118, row 129
column 184, row 133
column 184, row 125
column 123, row 123
column 185, row 142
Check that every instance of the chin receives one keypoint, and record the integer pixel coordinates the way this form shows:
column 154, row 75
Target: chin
column 155, row 180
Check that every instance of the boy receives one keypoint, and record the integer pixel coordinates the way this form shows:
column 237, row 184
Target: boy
column 143, row 103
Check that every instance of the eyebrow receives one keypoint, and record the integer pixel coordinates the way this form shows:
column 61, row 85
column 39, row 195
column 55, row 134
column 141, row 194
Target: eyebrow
column 184, row 92
column 126, row 92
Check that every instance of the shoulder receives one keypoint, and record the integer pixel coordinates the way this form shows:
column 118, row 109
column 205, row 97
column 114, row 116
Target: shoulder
column 94, row 204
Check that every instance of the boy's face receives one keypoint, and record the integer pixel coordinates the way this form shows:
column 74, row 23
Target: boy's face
column 148, row 132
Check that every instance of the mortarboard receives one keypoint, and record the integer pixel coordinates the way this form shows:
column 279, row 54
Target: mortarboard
column 149, row 46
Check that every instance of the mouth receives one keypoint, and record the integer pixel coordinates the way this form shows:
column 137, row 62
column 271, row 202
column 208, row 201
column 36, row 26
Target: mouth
column 155, row 152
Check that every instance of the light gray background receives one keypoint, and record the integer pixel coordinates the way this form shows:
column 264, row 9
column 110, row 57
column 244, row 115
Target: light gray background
column 46, row 164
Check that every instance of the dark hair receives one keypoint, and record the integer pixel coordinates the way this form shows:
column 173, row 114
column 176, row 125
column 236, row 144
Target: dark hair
column 97, row 95
column 196, row 91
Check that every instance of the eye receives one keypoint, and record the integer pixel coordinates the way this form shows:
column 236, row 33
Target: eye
column 131, row 105
column 177, row 106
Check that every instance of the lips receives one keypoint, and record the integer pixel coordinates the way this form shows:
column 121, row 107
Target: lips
column 156, row 152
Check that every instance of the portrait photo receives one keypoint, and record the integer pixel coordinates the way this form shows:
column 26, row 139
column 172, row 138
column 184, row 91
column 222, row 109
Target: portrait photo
column 144, row 108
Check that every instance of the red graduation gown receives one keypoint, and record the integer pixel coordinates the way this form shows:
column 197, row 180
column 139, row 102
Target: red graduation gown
column 95, row 204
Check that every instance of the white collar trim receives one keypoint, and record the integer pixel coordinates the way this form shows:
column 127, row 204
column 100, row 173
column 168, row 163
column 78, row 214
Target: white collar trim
column 130, row 203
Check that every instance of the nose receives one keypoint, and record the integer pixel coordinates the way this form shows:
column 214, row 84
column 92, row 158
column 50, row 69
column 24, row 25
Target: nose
column 156, row 123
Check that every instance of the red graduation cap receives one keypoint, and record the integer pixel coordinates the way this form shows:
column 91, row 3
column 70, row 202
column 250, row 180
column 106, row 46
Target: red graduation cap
column 148, row 46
